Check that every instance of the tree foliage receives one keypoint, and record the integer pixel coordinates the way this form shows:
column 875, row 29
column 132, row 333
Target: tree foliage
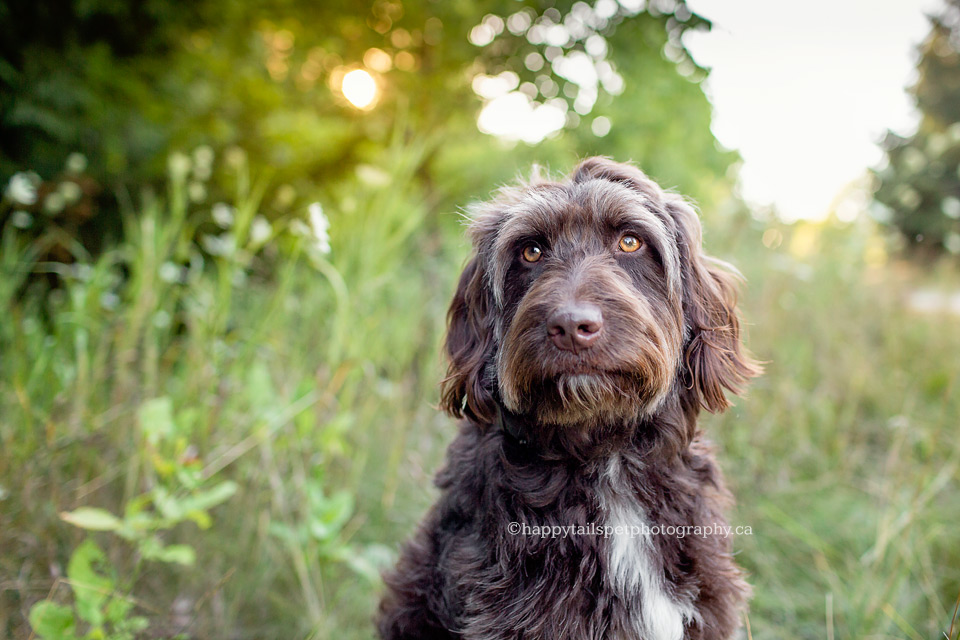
column 126, row 84
column 919, row 187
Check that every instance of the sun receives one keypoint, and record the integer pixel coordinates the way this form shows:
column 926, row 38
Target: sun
column 360, row 89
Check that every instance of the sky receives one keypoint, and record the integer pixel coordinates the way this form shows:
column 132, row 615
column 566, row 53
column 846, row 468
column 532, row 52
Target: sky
column 804, row 90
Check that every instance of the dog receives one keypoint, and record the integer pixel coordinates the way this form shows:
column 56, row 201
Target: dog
column 586, row 334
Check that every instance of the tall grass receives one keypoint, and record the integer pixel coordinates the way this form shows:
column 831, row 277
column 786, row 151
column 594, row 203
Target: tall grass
column 844, row 456
column 293, row 372
column 307, row 379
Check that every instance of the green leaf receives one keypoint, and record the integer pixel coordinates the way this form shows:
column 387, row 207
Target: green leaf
column 179, row 554
column 52, row 621
column 169, row 506
column 91, row 519
column 117, row 610
column 153, row 549
column 204, row 500
column 91, row 588
column 136, row 505
column 201, row 518
column 330, row 514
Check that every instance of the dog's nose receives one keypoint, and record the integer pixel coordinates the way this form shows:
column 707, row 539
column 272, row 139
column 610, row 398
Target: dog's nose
column 575, row 326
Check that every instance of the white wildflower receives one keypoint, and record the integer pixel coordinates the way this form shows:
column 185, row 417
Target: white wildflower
column 196, row 192
column 203, row 156
column 320, row 226
column 222, row 214
column 21, row 219
column 373, row 176
column 76, row 163
column 54, row 203
column 221, row 245
column 170, row 272
column 22, row 187
column 161, row 319
column 260, row 230
column 70, row 191
column 178, row 164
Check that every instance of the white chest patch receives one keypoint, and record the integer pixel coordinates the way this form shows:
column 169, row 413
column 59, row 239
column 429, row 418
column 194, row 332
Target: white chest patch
column 633, row 571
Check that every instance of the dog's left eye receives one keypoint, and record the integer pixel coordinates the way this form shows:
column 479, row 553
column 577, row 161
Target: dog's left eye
column 532, row 253
column 629, row 243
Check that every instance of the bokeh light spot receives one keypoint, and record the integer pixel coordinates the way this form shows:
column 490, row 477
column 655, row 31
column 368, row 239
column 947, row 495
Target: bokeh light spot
column 405, row 61
column 378, row 60
column 600, row 126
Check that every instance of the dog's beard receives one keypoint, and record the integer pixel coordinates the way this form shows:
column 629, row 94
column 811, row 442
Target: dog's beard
column 587, row 400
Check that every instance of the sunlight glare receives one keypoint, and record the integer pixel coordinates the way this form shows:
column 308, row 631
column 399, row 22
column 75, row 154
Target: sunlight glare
column 515, row 117
column 359, row 88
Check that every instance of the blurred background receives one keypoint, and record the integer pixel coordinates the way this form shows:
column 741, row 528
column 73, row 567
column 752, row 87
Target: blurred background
column 229, row 232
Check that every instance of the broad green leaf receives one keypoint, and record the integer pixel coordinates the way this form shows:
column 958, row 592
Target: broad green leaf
column 92, row 519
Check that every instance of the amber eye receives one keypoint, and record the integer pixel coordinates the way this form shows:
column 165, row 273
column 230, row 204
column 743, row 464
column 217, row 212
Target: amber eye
column 532, row 253
column 629, row 244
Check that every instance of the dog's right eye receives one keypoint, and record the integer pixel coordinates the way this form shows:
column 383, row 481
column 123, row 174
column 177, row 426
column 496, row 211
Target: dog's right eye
column 532, row 253
column 629, row 243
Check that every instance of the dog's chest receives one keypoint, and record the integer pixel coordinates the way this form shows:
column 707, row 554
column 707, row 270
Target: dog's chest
column 633, row 569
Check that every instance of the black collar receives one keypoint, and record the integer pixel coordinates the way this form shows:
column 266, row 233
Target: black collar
column 511, row 424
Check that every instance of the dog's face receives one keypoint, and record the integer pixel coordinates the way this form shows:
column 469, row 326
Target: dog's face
column 588, row 302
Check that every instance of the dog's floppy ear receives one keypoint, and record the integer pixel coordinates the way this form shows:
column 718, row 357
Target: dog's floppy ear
column 463, row 393
column 715, row 358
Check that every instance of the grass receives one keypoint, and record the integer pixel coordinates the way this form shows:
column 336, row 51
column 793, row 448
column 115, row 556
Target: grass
column 308, row 380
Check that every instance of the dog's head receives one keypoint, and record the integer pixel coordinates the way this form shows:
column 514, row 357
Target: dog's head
column 589, row 301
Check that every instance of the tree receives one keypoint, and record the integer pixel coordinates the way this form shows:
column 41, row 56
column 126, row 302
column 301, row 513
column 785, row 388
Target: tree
column 919, row 188
column 267, row 76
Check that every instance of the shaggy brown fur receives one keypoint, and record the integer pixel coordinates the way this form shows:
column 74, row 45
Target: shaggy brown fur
column 579, row 369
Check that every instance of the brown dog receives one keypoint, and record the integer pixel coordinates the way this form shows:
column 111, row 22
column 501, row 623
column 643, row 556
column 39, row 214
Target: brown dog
column 585, row 336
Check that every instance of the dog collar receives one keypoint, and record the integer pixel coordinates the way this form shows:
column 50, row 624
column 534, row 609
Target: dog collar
column 511, row 424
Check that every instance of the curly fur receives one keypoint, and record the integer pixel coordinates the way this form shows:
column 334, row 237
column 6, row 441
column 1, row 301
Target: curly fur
column 606, row 434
